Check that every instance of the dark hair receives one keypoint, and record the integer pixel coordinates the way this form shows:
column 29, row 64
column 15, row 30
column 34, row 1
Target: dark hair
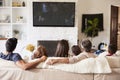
column 11, row 44
column 62, row 49
column 112, row 49
column 87, row 45
column 76, row 49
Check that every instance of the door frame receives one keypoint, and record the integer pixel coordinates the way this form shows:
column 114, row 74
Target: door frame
column 114, row 25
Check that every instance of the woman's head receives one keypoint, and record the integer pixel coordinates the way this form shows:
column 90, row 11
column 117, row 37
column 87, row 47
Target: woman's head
column 87, row 45
column 39, row 52
column 62, row 48
column 11, row 44
column 76, row 49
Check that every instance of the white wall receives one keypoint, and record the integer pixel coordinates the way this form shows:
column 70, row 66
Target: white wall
column 52, row 33
column 97, row 6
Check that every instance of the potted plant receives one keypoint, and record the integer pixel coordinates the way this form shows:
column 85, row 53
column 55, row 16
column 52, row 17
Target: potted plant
column 92, row 29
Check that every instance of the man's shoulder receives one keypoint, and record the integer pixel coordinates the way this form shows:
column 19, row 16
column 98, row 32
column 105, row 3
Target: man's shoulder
column 16, row 57
column 16, row 54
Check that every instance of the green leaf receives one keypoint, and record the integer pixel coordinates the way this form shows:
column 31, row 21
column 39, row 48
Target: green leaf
column 90, row 22
column 93, row 29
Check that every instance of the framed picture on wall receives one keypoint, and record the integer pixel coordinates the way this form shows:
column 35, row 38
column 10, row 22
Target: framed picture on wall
column 1, row 2
column 86, row 17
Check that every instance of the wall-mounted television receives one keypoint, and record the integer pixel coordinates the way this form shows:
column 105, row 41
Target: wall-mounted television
column 54, row 14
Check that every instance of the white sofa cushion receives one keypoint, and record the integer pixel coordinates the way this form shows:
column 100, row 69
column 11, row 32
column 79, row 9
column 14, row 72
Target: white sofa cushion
column 114, row 61
column 6, row 63
column 89, row 65
column 118, row 53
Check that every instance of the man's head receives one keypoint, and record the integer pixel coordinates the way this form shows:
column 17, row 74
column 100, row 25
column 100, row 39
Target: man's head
column 87, row 45
column 11, row 44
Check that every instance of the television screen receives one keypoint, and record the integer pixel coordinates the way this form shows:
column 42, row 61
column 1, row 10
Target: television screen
column 53, row 14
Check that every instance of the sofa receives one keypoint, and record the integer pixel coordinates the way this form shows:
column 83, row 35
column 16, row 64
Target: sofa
column 115, row 75
column 9, row 71
column 51, row 74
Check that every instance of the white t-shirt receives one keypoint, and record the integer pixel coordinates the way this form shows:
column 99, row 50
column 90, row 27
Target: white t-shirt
column 81, row 56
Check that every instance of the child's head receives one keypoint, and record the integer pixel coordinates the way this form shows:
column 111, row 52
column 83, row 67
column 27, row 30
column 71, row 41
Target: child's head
column 76, row 50
column 39, row 52
column 112, row 49
column 62, row 48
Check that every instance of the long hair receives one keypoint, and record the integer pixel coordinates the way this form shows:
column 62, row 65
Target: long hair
column 62, row 49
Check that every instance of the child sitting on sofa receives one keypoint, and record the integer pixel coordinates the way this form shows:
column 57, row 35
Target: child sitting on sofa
column 110, row 52
column 39, row 52
column 75, row 50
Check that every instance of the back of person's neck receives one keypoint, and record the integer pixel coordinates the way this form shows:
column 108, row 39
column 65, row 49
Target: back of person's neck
column 6, row 52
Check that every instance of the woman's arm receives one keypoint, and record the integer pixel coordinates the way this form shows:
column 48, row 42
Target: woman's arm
column 62, row 60
column 22, row 64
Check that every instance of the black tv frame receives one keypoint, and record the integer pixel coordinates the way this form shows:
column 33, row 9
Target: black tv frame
column 36, row 19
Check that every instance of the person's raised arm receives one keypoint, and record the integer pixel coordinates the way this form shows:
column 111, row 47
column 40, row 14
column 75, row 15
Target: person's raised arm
column 22, row 64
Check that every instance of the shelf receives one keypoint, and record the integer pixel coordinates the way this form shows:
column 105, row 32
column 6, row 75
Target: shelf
column 3, row 38
column 19, row 23
column 5, row 7
column 5, row 23
column 18, row 7
column 13, row 18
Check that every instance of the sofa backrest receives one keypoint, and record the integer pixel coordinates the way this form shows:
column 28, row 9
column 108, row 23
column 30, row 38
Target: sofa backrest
column 114, row 61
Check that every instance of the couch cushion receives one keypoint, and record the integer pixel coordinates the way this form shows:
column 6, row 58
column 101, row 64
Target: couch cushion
column 118, row 53
column 89, row 65
column 114, row 61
